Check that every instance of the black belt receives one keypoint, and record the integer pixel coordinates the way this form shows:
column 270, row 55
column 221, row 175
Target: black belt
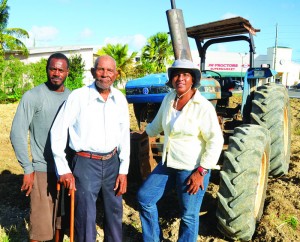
column 94, row 156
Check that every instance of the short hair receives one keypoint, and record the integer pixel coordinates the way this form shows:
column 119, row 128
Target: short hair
column 104, row 56
column 57, row 55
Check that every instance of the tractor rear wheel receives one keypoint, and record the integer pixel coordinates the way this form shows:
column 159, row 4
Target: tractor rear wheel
column 243, row 182
column 271, row 109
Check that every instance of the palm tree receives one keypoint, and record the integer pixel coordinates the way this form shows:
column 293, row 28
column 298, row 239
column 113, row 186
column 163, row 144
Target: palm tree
column 124, row 61
column 157, row 53
column 9, row 37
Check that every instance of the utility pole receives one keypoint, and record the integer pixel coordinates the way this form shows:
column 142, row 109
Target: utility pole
column 242, row 65
column 275, row 47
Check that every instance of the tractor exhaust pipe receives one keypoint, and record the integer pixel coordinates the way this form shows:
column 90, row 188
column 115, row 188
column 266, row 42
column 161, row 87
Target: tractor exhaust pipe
column 178, row 33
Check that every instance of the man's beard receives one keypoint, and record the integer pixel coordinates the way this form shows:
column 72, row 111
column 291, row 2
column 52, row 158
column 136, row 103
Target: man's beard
column 102, row 87
column 53, row 86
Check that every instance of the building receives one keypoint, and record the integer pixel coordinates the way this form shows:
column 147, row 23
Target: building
column 235, row 65
column 87, row 54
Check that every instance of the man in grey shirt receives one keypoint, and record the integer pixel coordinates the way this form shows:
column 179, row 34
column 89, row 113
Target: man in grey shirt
column 36, row 113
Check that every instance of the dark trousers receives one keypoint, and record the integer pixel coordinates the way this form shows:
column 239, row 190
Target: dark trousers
column 94, row 176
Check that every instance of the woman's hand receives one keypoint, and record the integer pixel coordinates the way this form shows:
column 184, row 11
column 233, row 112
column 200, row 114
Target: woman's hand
column 195, row 182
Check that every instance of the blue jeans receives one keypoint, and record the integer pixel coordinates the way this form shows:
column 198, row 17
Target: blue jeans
column 160, row 181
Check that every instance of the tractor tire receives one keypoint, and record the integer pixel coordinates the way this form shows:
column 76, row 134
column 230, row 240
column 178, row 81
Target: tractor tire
column 243, row 182
column 271, row 109
column 139, row 110
column 145, row 113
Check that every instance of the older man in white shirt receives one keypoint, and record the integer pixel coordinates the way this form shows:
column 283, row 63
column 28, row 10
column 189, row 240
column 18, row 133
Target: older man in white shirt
column 95, row 121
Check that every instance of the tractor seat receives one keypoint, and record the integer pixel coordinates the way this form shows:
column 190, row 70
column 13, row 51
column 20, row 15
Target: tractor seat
column 226, row 94
column 227, row 84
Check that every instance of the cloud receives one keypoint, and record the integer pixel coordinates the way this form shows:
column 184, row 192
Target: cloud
column 221, row 48
column 229, row 15
column 45, row 33
column 40, row 34
column 233, row 15
column 135, row 42
column 86, row 33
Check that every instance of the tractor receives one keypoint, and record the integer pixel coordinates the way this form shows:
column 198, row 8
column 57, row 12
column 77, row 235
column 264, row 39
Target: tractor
column 257, row 132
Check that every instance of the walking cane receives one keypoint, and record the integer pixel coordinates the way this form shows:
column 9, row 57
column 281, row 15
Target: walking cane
column 72, row 216
column 57, row 230
column 72, row 194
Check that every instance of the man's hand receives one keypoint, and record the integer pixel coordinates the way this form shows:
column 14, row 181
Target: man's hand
column 27, row 183
column 121, row 184
column 194, row 182
column 68, row 181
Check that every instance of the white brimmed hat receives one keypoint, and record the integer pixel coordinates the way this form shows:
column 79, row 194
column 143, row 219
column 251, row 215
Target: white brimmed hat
column 184, row 64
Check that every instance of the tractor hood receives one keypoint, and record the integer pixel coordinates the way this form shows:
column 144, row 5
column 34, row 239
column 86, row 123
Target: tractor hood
column 150, row 88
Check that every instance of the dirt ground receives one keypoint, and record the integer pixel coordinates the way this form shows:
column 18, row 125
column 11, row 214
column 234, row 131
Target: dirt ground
column 280, row 220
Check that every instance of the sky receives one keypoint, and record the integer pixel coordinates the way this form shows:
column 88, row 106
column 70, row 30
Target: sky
column 132, row 22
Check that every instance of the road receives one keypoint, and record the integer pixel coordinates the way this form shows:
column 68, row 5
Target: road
column 294, row 93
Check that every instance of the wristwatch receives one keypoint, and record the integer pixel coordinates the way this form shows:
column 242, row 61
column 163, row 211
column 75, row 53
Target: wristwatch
column 202, row 171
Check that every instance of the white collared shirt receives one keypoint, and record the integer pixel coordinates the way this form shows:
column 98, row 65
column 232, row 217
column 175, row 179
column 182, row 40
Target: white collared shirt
column 194, row 138
column 94, row 125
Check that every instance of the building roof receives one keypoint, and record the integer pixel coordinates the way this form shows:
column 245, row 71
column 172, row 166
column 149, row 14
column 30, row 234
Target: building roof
column 52, row 49
column 280, row 47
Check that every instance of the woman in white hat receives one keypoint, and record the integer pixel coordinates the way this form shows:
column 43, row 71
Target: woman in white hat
column 193, row 142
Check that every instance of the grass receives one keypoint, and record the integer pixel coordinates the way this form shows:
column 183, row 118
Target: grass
column 12, row 234
column 289, row 220
column 297, row 130
column 3, row 236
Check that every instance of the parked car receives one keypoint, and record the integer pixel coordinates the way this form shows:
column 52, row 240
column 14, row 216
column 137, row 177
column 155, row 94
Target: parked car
column 297, row 86
column 238, row 85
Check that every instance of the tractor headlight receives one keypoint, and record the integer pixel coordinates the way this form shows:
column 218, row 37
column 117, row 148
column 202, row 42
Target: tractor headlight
column 147, row 90
column 133, row 91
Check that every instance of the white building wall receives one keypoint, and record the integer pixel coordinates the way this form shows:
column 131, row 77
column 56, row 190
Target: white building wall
column 282, row 55
column 86, row 53
column 288, row 71
column 238, row 63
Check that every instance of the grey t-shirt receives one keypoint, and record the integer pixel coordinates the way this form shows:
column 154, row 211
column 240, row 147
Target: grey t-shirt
column 36, row 113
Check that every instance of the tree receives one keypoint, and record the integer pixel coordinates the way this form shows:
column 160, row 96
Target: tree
column 124, row 60
column 9, row 37
column 76, row 71
column 13, row 81
column 142, row 69
column 157, row 53
column 37, row 72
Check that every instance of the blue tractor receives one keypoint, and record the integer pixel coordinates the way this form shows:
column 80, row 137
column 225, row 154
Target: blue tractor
column 256, row 132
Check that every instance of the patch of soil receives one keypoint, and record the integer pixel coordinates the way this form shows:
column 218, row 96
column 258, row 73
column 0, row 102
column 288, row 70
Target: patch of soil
column 280, row 220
